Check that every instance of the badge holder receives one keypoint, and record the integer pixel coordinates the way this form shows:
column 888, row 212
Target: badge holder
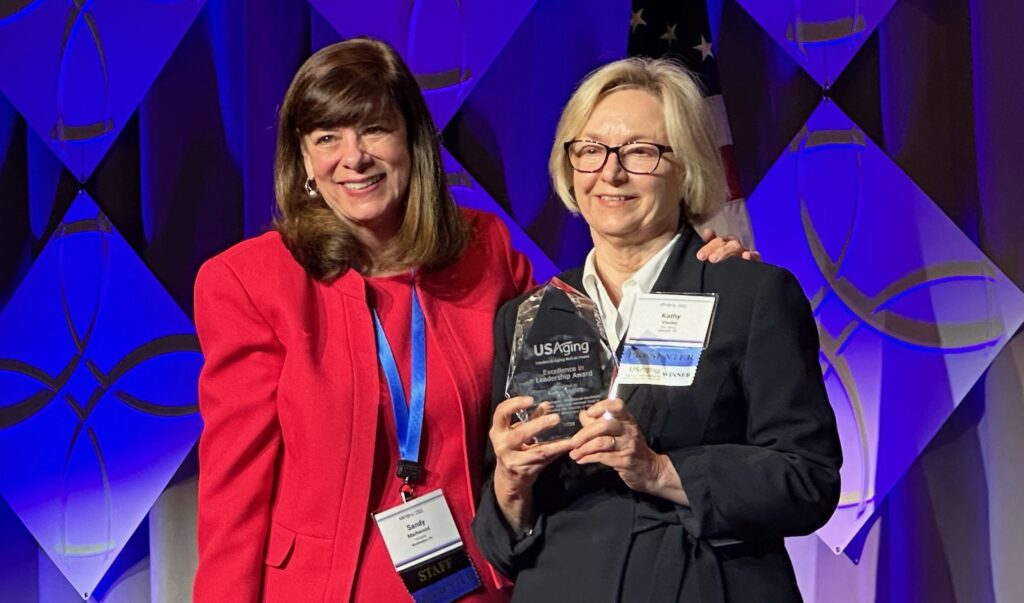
column 420, row 534
column 668, row 333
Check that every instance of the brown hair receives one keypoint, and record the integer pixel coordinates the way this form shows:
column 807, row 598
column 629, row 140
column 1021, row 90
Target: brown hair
column 690, row 130
column 341, row 85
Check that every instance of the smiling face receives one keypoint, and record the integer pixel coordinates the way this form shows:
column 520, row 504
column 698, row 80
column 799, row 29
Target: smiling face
column 362, row 173
column 621, row 208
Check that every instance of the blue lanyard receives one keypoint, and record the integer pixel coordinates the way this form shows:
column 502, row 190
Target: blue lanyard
column 408, row 417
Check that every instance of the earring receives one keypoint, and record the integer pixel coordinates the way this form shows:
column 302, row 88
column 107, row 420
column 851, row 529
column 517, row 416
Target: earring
column 311, row 188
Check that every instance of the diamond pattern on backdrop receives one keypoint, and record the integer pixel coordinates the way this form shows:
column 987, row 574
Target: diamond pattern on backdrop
column 503, row 131
column 821, row 35
column 79, row 69
column 907, row 326
column 98, row 371
column 448, row 44
column 908, row 323
column 468, row 193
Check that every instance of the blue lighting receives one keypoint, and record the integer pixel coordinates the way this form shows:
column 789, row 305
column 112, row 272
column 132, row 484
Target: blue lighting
column 98, row 371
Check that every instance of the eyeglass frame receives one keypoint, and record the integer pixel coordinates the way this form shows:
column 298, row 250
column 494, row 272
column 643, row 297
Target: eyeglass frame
column 610, row 150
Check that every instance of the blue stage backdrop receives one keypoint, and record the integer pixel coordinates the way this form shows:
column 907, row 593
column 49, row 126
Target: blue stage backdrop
column 875, row 141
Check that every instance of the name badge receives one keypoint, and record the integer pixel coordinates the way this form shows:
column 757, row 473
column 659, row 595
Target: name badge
column 426, row 549
column 667, row 334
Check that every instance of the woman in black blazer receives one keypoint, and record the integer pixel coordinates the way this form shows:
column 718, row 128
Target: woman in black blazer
column 667, row 493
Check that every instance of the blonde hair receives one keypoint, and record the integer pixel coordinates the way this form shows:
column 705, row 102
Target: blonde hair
column 344, row 84
column 702, row 187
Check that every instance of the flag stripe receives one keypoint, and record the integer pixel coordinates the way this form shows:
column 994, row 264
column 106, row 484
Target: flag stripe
column 732, row 175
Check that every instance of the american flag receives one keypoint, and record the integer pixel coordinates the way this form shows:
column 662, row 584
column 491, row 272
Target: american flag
column 680, row 30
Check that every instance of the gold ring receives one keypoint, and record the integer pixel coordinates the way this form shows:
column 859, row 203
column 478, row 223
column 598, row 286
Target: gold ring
column 613, row 442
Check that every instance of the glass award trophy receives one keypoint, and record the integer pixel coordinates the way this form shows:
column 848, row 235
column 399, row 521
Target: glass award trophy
column 562, row 360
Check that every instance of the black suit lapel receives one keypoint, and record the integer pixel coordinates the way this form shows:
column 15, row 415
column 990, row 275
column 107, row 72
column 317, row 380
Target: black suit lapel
column 683, row 272
column 574, row 278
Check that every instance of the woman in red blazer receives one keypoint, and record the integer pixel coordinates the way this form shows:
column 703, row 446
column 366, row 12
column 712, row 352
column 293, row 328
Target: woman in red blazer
column 300, row 443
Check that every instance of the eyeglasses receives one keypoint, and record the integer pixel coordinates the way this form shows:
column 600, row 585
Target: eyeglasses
column 635, row 157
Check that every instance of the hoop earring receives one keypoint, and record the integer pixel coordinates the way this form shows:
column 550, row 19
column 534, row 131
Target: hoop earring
column 311, row 188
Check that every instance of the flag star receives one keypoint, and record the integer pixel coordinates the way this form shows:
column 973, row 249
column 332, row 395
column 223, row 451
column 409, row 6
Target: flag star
column 636, row 20
column 669, row 35
column 705, row 49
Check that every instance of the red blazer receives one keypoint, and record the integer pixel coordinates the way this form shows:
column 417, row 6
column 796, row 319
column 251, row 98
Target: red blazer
column 289, row 398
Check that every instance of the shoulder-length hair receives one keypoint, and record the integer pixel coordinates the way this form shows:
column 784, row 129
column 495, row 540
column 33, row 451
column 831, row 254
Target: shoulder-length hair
column 342, row 85
column 702, row 184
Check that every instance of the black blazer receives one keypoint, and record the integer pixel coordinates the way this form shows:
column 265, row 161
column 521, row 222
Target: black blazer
column 754, row 441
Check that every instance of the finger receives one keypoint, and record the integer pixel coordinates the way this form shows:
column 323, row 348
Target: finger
column 544, row 408
column 729, row 247
column 528, row 431
column 534, row 457
column 596, row 430
column 709, row 246
column 601, row 413
column 607, row 459
column 504, row 412
column 614, row 406
column 550, row 450
column 585, row 419
column 599, row 444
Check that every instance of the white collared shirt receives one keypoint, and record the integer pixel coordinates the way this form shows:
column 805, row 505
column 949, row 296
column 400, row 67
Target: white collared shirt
column 616, row 320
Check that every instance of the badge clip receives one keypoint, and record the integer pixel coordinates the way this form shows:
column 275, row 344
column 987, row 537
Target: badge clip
column 408, row 492
column 409, row 472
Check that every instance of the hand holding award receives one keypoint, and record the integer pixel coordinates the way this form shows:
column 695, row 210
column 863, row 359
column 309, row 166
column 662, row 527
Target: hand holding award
column 563, row 362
